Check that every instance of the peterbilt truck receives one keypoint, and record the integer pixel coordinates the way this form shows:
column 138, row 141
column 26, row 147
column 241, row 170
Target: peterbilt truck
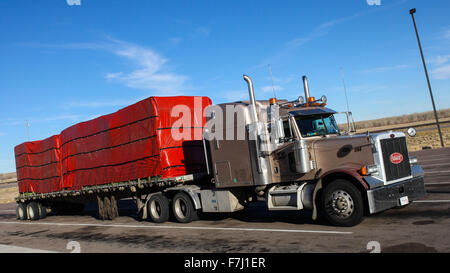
column 290, row 154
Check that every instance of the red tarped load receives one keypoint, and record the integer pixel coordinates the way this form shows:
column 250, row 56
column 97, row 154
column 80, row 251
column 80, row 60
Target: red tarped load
column 139, row 141
column 38, row 165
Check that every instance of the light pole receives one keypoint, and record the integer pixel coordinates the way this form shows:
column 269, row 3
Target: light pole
column 412, row 11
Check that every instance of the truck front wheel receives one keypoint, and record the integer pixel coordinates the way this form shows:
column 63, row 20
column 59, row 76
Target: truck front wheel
column 342, row 203
column 183, row 208
column 158, row 208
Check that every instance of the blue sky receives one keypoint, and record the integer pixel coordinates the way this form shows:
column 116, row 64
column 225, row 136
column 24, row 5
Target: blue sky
column 61, row 64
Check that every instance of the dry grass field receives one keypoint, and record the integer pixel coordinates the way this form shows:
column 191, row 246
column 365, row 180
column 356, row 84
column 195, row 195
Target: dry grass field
column 407, row 120
column 426, row 137
column 7, row 195
column 8, row 177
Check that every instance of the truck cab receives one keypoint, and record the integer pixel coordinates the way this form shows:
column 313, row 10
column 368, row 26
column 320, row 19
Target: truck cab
column 294, row 155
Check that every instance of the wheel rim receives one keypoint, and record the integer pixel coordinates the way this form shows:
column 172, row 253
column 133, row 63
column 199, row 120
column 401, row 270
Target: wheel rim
column 30, row 212
column 180, row 208
column 155, row 208
column 341, row 204
column 21, row 212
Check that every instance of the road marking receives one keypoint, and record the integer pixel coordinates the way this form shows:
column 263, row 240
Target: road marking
column 433, row 165
column 437, row 172
column 181, row 227
column 432, row 201
column 18, row 249
column 442, row 183
column 432, row 160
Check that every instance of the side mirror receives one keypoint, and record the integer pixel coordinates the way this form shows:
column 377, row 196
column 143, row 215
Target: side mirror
column 412, row 132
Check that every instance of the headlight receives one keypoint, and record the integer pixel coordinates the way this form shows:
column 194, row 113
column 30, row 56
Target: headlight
column 369, row 169
column 413, row 160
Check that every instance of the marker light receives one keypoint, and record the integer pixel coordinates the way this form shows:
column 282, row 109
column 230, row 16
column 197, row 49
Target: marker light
column 311, row 99
column 273, row 101
column 368, row 170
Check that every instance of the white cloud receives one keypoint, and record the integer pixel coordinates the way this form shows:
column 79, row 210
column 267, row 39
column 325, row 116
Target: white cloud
column 267, row 89
column 97, row 104
column 441, row 73
column 235, row 95
column 385, row 68
column 439, row 60
column 150, row 71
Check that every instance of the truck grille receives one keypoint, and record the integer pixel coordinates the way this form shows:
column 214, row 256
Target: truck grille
column 395, row 168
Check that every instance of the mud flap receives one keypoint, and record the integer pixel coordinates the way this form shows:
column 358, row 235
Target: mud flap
column 144, row 211
column 316, row 189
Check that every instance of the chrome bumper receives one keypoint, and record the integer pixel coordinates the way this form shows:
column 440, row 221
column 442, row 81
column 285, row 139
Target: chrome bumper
column 386, row 197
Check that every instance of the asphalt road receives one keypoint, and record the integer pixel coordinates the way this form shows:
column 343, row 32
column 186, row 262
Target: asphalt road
column 423, row 226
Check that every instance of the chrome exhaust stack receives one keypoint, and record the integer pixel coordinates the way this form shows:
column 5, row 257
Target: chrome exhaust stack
column 306, row 87
column 251, row 94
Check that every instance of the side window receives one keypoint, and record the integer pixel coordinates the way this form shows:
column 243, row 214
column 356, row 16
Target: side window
column 287, row 129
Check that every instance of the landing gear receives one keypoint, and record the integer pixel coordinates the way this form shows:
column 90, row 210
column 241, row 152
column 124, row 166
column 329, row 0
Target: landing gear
column 107, row 207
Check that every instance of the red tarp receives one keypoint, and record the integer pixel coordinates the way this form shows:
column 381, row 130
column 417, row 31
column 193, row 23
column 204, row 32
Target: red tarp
column 135, row 142
column 38, row 165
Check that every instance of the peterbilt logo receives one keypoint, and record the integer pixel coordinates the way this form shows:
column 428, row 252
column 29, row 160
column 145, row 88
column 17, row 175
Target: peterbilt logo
column 396, row 158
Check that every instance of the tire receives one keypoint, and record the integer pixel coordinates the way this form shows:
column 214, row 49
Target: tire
column 42, row 211
column 21, row 211
column 183, row 208
column 342, row 204
column 33, row 211
column 158, row 208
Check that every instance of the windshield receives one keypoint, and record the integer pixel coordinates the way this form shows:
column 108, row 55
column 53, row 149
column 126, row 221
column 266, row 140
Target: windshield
column 316, row 125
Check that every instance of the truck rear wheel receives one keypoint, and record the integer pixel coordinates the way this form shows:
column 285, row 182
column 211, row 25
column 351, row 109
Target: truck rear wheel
column 33, row 211
column 158, row 208
column 183, row 208
column 42, row 211
column 21, row 211
column 342, row 204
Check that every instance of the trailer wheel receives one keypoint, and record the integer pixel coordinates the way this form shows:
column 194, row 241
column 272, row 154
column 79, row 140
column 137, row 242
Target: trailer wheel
column 342, row 204
column 183, row 208
column 158, row 208
column 42, row 211
column 21, row 211
column 33, row 211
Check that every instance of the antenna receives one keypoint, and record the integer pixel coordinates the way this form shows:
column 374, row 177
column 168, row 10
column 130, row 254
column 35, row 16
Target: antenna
column 28, row 129
column 345, row 89
column 271, row 78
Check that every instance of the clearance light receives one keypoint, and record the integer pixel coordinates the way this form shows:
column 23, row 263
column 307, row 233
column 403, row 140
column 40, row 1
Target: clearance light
column 311, row 99
column 368, row 170
column 273, row 101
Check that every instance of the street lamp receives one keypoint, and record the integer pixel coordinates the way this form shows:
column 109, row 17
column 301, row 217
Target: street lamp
column 412, row 11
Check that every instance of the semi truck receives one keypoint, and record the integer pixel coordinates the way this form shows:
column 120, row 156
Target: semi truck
column 182, row 156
